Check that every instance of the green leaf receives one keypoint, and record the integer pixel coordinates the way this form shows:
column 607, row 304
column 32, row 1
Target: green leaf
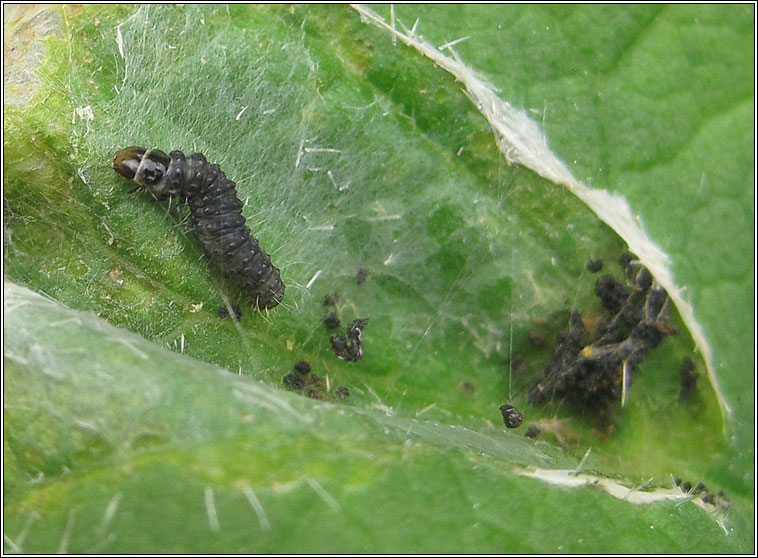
column 662, row 130
column 350, row 154
column 153, row 450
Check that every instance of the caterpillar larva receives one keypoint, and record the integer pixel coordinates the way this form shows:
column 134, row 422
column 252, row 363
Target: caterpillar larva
column 216, row 213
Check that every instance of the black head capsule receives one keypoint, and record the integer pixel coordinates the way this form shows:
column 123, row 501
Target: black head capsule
column 146, row 168
column 127, row 160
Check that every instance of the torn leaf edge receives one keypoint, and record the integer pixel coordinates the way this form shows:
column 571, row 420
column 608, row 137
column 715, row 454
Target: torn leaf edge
column 574, row 479
column 520, row 139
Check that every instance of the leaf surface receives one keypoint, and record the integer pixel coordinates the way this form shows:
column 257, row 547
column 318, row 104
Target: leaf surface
column 349, row 154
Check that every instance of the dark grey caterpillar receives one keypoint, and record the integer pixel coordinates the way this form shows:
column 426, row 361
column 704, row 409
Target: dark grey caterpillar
column 216, row 213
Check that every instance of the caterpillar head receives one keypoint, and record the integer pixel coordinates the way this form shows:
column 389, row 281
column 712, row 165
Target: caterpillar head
column 146, row 168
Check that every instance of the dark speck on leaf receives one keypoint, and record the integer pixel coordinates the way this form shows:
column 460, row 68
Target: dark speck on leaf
column 305, row 383
column 467, row 387
column 332, row 299
column 719, row 500
column 594, row 265
column 626, row 259
column 360, row 277
column 331, row 321
column 294, row 381
column 315, row 392
column 350, row 346
column 688, row 379
column 656, row 299
column 536, row 339
column 342, row 392
column 223, row 312
column 533, row 431
column 303, row 367
column 511, row 416
column 611, row 293
column 518, row 363
column 644, row 279
column 356, row 327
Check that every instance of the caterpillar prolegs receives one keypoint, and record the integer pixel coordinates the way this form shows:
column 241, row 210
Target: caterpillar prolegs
column 216, row 214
